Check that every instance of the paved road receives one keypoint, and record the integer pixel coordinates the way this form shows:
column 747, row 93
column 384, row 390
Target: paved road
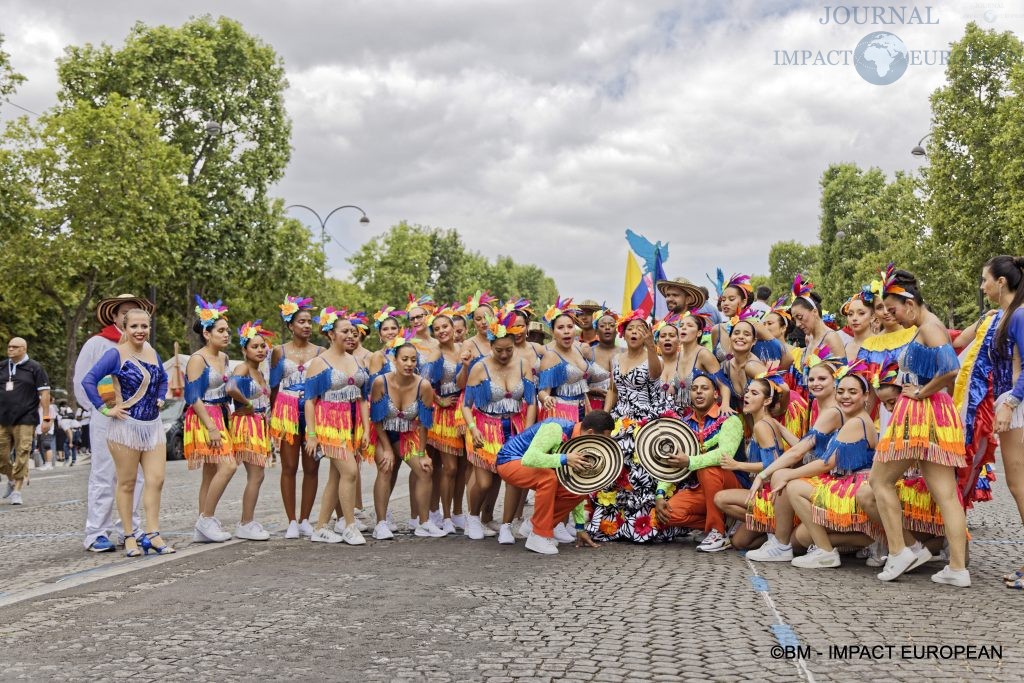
column 453, row 609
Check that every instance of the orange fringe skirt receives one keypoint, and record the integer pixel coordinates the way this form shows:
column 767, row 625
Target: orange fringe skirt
column 929, row 430
column 198, row 450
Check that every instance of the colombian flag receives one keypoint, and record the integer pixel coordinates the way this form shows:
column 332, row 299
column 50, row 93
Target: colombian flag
column 638, row 293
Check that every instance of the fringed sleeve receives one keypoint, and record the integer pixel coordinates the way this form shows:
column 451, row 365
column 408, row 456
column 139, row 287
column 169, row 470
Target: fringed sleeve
column 379, row 408
column 768, row 350
column 529, row 392
column 196, row 389
column 426, row 413
column 277, row 372
column 478, row 394
column 244, row 384
column 433, row 371
column 318, row 384
column 928, row 362
column 554, row 377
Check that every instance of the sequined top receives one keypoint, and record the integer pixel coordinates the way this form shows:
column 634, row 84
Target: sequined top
column 492, row 399
column 335, row 386
column 258, row 396
column 395, row 419
column 288, row 375
column 132, row 376
column 210, row 386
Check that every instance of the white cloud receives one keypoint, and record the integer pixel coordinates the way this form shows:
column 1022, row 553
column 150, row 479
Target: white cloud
column 543, row 130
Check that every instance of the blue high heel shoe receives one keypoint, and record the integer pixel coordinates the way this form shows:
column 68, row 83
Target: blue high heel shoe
column 147, row 545
column 136, row 551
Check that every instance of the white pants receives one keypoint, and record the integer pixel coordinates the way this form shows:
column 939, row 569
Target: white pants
column 99, row 516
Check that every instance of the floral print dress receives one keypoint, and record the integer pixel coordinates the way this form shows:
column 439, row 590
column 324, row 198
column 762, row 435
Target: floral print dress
column 625, row 511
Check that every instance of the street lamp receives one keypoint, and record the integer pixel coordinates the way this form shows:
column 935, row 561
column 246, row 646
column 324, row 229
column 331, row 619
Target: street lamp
column 323, row 224
column 919, row 150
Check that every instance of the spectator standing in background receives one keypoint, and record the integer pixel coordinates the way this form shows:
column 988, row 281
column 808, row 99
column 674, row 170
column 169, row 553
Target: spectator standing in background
column 24, row 395
column 761, row 306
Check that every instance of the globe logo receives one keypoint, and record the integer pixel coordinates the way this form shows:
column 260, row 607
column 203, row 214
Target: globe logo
column 880, row 58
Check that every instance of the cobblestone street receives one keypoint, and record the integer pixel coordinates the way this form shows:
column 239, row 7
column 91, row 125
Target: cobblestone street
column 452, row 609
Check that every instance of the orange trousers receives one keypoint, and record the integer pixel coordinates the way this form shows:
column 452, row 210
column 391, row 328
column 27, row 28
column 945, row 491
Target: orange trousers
column 552, row 502
column 695, row 508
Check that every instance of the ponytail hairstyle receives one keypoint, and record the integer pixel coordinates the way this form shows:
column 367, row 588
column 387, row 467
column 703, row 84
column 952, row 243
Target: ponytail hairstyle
column 1011, row 268
column 901, row 283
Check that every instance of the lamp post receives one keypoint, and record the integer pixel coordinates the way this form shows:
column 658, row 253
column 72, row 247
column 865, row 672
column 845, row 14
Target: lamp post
column 323, row 225
column 918, row 150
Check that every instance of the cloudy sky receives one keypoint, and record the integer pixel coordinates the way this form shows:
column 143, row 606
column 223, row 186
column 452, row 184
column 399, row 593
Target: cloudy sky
column 543, row 130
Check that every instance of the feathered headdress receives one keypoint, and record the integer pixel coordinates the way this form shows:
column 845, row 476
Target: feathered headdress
column 250, row 330
column 741, row 282
column 719, row 282
column 560, row 307
column 823, row 356
column 670, row 320
column 384, row 313
column 830, row 320
column 859, row 369
column 294, row 304
column 328, row 318
column 360, row 322
column 775, row 377
column 404, row 337
column 426, row 302
column 888, row 374
column 504, row 325
column 802, row 290
column 747, row 314
column 781, row 308
column 209, row 313
column 697, row 372
column 477, row 300
column 704, row 318
column 627, row 318
column 866, row 294
column 520, row 305
column 889, row 285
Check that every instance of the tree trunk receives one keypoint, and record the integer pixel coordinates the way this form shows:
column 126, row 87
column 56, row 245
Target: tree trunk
column 73, row 321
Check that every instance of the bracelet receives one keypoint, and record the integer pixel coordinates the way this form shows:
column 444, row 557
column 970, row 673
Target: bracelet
column 660, row 493
column 1013, row 402
column 47, row 419
column 105, row 410
column 763, row 475
column 580, row 527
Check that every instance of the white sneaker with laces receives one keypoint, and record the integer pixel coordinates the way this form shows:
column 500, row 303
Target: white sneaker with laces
column 959, row 578
column 360, row 525
column 339, row 526
column 897, row 563
column 324, row 535
column 16, row 498
column 539, row 544
column 771, row 551
column 305, row 528
column 382, row 532
column 429, row 530
column 392, row 526
column 714, row 542
column 436, row 517
column 209, row 529
column 816, row 558
column 352, row 536
column 505, row 536
column 253, row 531
column 293, row 530
column 526, row 528
column 921, row 555
column 474, row 529
column 361, row 515
column 449, row 527
column 562, row 534
column 876, row 554
column 459, row 521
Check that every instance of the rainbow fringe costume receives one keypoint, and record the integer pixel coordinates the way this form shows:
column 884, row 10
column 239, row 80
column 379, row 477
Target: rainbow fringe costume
column 337, row 415
column 448, row 433
column 250, row 435
column 211, row 391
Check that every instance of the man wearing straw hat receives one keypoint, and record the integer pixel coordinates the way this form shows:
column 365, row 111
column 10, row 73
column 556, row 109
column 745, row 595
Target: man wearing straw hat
column 102, row 477
column 681, row 295
column 585, row 319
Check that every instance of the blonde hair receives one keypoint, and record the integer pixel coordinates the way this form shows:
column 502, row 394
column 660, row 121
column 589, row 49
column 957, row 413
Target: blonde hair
column 124, row 321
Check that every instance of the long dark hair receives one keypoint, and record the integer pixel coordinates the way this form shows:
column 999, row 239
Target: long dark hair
column 1009, row 267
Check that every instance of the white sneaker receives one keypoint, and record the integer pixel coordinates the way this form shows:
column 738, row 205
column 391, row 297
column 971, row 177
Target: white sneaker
column 474, row 529
column 361, row 515
column 360, row 525
column 293, row 530
column 539, row 544
column 505, row 536
column 959, row 578
column 562, row 534
column 46, row 467
column 459, row 521
column 493, row 525
column 16, row 498
column 339, row 526
column 921, row 555
column 771, row 551
column 352, row 536
column 449, row 527
column 10, row 489
column 526, row 528
column 897, row 564
column 876, row 554
column 392, row 527
column 208, row 528
column 305, row 528
column 816, row 558
column 382, row 532
column 437, row 517
column 714, row 542
column 324, row 535
column 253, row 531
column 429, row 530
column 412, row 524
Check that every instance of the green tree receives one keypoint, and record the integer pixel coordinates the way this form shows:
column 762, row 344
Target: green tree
column 785, row 260
column 218, row 93
column 9, row 78
column 111, row 208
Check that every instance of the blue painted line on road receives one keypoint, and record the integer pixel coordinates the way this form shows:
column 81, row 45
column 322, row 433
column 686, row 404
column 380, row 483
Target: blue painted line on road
column 759, row 584
column 785, row 635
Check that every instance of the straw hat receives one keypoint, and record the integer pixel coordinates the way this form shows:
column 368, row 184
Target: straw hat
column 661, row 438
column 589, row 306
column 605, row 460
column 697, row 296
column 107, row 308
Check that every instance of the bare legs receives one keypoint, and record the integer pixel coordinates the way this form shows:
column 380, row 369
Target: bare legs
column 215, row 479
column 253, row 482
column 291, row 454
column 126, row 464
